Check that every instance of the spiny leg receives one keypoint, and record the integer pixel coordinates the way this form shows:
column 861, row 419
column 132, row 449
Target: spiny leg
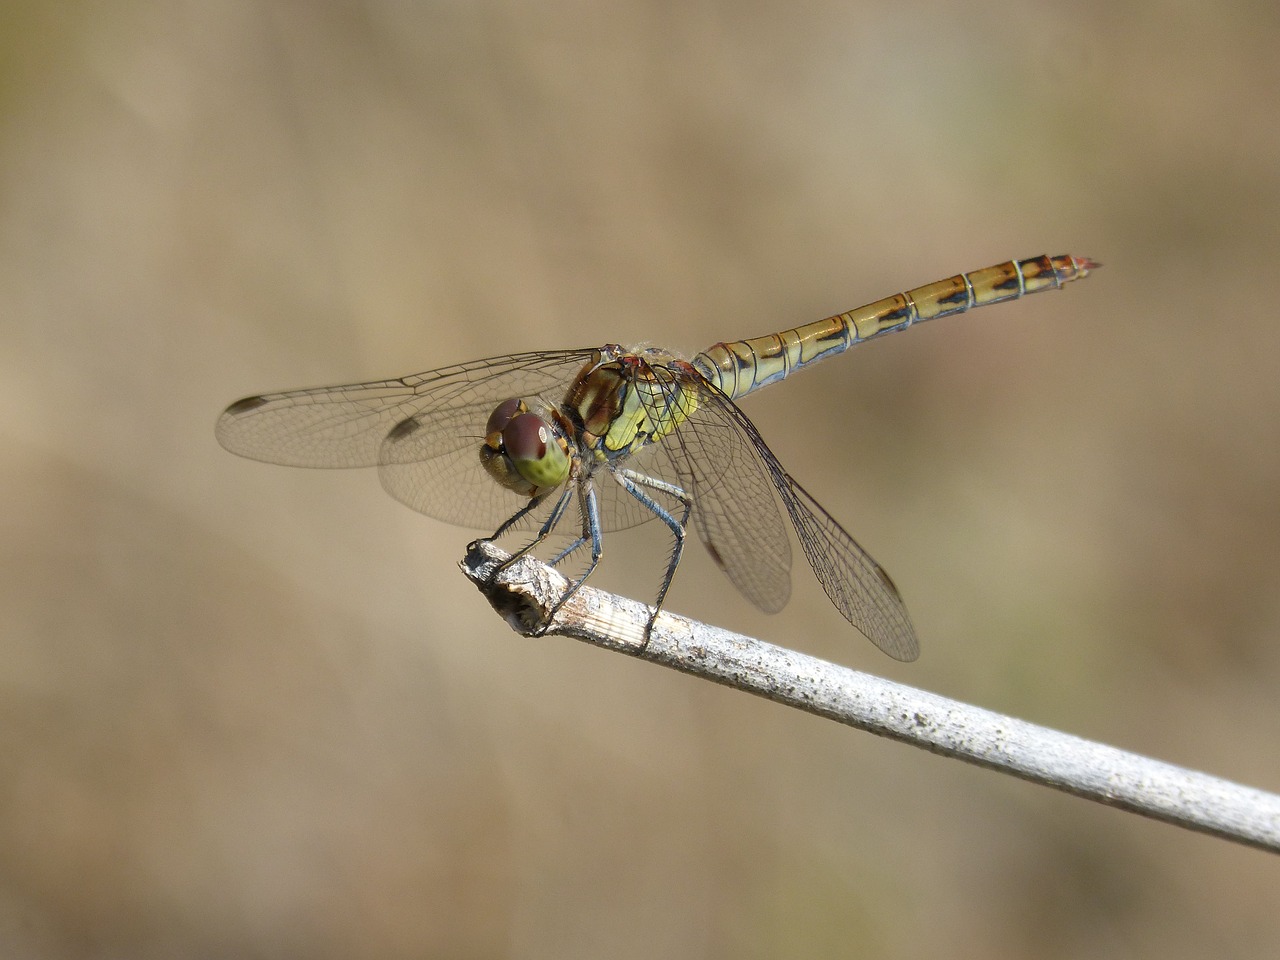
column 632, row 482
column 589, row 507
column 555, row 561
column 513, row 520
column 556, row 515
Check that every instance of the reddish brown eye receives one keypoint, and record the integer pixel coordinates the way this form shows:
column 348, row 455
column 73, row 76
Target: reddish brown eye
column 525, row 438
column 501, row 416
column 530, row 445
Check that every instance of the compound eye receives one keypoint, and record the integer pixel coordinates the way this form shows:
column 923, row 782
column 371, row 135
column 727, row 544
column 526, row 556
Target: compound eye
column 502, row 415
column 531, row 445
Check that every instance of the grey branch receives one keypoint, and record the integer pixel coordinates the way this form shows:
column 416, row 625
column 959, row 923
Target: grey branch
column 525, row 591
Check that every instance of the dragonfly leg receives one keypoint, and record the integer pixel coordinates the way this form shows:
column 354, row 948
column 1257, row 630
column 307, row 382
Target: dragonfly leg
column 512, row 520
column 632, row 482
column 552, row 521
column 589, row 507
column 591, row 532
column 554, row 561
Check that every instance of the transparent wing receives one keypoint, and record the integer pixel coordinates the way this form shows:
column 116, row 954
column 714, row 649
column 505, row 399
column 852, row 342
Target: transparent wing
column 344, row 426
column 424, row 430
column 734, row 508
column 859, row 587
column 430, row 461
column 619, row 509
column 727, row 504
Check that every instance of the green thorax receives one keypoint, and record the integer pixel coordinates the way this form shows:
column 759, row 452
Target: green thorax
column 629, row 400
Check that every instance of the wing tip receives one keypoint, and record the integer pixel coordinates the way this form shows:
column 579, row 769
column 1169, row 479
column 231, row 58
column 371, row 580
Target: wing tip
column 902, row 649
column 244, row 405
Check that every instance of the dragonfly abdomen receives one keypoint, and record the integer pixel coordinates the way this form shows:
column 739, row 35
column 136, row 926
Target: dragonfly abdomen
column 744, row 366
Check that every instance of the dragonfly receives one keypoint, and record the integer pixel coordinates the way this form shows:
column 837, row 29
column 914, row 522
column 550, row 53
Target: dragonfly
column 563, row 446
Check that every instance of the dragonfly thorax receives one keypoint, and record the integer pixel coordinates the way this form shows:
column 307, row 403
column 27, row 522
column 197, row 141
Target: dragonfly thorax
column 524, row 450
column 626, row 401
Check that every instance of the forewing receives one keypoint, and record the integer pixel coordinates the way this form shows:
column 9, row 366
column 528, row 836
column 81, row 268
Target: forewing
column 423, row 430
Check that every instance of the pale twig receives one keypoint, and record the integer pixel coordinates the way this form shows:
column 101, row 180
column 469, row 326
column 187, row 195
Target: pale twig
column 526, row 590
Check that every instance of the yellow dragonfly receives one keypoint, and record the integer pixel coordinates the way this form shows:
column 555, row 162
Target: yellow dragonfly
column 614, row 437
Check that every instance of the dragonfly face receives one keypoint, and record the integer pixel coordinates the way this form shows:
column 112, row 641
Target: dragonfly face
column 530, row 447
column 617, row 404
column 526, row 451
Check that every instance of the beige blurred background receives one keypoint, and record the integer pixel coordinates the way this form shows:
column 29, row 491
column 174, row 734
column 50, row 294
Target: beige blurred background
column 254, row 711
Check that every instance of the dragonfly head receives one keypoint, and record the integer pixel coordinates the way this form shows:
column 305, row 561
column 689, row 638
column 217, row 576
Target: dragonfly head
column 524, row 451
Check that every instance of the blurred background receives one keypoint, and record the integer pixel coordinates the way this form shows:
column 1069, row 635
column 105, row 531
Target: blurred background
column 255, row 711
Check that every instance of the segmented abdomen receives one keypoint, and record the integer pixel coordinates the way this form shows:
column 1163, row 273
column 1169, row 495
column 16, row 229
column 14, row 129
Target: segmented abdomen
column 744, row 366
